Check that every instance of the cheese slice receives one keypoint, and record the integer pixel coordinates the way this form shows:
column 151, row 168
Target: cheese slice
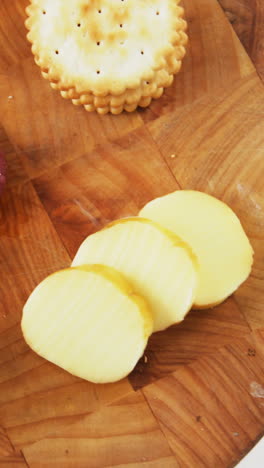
column 159, row 265
column 88, row 321
column 216, row 236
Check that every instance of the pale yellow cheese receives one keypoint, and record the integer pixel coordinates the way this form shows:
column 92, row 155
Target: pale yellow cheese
column 216, row 236
column 159, row 265
column 88, row 321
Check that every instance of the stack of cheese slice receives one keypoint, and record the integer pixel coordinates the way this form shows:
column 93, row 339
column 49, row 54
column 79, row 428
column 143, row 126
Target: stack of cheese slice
column 136, row 276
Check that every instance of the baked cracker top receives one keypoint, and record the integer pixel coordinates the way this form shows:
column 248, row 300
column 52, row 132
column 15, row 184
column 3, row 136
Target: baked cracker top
column 104, row 46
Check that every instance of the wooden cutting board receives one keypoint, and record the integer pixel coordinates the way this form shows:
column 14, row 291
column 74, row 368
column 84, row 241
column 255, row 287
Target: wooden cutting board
column 196, row 399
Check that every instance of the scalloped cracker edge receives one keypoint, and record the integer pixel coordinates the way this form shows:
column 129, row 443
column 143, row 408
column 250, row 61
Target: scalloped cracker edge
column 76, row 43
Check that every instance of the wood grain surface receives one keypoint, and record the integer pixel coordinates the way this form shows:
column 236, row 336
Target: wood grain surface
column 195, row 399
column 9, row 457
column 247, row 19
column 215, row 405
column 207, row 422
column 201, row 333
column 215, row 151
column 37, row 397
column 123, row 434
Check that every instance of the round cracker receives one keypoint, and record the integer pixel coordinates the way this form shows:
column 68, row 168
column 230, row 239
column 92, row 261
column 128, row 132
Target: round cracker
column 108, row 56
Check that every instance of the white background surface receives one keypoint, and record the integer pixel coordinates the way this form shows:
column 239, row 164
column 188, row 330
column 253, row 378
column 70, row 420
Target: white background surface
column 255, row 458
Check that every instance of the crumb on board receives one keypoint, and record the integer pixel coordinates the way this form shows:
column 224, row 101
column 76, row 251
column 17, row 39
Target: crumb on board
column 172, row 156
column 145, row 359
column 10, row 97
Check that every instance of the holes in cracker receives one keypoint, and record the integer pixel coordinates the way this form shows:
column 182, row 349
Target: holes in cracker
column 98, row 43
column 100, row 11
column 78, row 25
column 98, row 72
column 57, row 52
column 121, row 25
column 44, row 12
column 142, row 52
column 157, row 12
